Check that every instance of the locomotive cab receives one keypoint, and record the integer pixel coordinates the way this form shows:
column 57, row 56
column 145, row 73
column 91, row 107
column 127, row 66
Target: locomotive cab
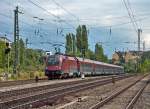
column 53, row 66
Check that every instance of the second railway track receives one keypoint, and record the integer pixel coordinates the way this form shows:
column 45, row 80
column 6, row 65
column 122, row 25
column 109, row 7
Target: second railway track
column 131, row 96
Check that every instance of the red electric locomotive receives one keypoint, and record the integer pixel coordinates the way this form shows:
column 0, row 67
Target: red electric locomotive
column 61, row 66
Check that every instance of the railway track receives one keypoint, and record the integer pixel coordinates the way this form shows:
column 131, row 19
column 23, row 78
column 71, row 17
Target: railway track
column 137, row 95
column 131, row 103
column 50, row 94
column 20, row 82
column 14, row 93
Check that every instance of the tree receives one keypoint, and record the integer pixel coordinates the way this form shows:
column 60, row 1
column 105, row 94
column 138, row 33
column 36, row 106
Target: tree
column 2, row 54
column 84, row 38
column 69, row 44
column 99, row 53
column 130, row 67
column 74, row 44
column 90, row 54
column 21, row 52
column 78, row 46
column 79, row 38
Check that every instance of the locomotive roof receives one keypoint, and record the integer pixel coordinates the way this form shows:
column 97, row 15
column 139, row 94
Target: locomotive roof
column 91, row 61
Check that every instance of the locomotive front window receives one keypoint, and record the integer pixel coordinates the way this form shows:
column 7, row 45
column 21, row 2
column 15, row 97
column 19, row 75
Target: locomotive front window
column 53, row 60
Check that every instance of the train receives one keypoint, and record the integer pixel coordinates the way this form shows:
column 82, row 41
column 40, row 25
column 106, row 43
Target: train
column 63, row 66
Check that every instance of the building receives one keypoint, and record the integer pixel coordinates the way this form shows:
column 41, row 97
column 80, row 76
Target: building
column 125, row 57
column 5, row 39
column 118, row 57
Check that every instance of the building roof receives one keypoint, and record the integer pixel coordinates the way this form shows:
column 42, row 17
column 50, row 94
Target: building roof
column 4, row 38
column 136, row 52
column 121, row 54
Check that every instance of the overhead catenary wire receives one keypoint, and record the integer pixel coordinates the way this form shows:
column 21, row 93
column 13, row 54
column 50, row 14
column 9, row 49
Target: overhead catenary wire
column 50, row 13
column 87, row 19
column 115, row 25
column 119, row 24
column 65, row 28
column 132, row 14
column 9, row 17
column 131, row 17
column 58, row 4
column 110, row 25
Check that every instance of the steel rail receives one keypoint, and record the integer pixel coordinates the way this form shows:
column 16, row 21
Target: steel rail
column 42, row 87
column 35, row 100
column 20, row 82
column 106, row 100
column 136, row 97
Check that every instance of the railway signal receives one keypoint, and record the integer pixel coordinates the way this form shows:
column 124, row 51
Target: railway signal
column 7, row 51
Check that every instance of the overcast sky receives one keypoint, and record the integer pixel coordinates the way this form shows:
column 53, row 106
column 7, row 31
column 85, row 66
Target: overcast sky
column 98, row 15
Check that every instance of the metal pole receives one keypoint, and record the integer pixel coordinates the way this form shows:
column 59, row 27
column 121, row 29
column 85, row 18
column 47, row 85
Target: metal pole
column 8, row 62
column 139, row 40
column 6, row 65
column 144, row 46
column 16, row 41
column 83, row 55
column 139, row 34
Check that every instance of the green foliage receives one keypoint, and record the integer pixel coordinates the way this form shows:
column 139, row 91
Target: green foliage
column 145, row 66
column 145, row 62
column 90, row 55
column 2, row 54
column 30, row 60
column 79, row 38
column 145, row 56
column 130, row 67
column 74, row 44
column 21, row 52
column 84, row 38
column 69, row 44
column 78, row 46
column 142, row 66
column 99, row 53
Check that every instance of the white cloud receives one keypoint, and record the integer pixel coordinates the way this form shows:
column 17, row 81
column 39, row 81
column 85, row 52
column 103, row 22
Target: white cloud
column 107, row 20
column 146, row 38
column 56, row 12
column 95, row 13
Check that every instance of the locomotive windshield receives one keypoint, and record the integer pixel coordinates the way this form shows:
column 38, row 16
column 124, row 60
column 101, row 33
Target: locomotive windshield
column 53, row 60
